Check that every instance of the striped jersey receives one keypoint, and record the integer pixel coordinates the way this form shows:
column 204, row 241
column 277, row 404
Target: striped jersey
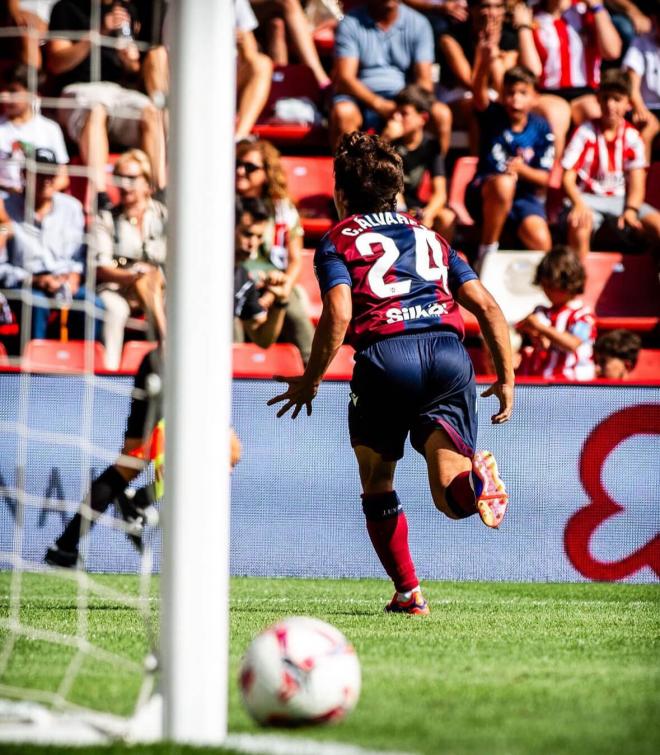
column 601, row 165
column 568, row 49
column 548, row 362
column 403, row 277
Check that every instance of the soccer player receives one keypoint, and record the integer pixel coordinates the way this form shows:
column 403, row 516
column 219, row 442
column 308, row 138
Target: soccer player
column 393, row 285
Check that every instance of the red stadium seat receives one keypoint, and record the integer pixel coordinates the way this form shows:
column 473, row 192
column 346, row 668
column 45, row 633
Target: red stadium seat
column 133, row 353
column 250, row 361
column 464, row 171
column 623, row 290
column 291, row 81
column 307, row 280
column 341, row 367
column 310, row 181
column 648, row 365
column 653, row 185
column 58, row 356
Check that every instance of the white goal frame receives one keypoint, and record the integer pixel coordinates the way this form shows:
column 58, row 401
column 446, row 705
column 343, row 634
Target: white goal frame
column 195, row 563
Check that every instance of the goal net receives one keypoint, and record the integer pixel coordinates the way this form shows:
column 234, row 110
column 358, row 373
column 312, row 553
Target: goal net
column 66, row 675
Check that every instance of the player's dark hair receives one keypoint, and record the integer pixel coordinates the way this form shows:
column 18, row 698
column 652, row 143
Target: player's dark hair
column 368, row 172
column 561, row 269
column 620, row 344
column 17, row 74
column 520, row 75
column 616, row 81
column 254, row 207
column 415, row 95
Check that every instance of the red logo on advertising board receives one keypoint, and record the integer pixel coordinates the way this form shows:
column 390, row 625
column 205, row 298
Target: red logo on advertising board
column 635, row 420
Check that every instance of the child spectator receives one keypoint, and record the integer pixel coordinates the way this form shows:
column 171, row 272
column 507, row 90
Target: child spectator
column 563, row 334
column 642, row 61
column 420, row 153
column 604, row 171
column 23, row 130
column 616, row 353
column 380, row 47
column 571, row 39
column 515, row 158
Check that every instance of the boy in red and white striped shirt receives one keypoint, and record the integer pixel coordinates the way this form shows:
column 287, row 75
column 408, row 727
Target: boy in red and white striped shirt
column 563, row 334
column 605, row 170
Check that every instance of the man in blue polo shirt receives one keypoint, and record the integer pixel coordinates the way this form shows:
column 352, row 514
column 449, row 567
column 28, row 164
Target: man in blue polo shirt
column 379, row 48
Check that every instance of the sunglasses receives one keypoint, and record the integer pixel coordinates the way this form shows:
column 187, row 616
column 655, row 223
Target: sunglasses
column 249, row 168
column 124, row 181
column 248, row 233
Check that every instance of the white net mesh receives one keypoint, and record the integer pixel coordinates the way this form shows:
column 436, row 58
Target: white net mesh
column 57, row 435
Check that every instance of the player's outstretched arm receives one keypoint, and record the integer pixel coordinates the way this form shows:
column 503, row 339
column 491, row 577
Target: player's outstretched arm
column 330, row 332
column 476, row 299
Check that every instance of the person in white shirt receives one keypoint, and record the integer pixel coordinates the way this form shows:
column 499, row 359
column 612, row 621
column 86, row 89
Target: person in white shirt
column 254, row 71
column 642, row 61
column 24, row 130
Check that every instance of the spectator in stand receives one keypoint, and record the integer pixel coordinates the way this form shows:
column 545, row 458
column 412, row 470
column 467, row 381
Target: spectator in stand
column 286, row 20
column 458, row 46
column 604, row 172
column 130, row 246
column 112, row 109
column 516, row 155
column 254, row 72
column 571, row 39
column 380, row 47
column 259, row 174
column 24, row 47
column 616, row 353
column 262, row 326
column 23, row 129
column 562, row 335
column 421, row 155
column 642, row 61
column 45, row 251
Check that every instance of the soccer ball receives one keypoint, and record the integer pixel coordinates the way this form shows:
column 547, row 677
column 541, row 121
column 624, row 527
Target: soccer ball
column 299, row 671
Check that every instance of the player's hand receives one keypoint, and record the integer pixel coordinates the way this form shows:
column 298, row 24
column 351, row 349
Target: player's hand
column 504, row 393
column 629, row 218
column 299, row 393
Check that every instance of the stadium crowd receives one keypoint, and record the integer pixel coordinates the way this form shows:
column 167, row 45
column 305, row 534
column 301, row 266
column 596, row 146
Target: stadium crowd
column 526, row 127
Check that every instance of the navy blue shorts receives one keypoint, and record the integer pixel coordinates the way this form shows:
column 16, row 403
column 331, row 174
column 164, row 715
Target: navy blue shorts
column 523, row 206
column 413, row 383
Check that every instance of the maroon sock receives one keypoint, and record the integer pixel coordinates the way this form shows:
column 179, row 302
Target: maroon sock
column 388, row 529
column 460, row 496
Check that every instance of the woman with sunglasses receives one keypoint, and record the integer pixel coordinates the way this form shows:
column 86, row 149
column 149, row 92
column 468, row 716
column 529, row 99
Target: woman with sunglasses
column 259, row 173
column 130, row 246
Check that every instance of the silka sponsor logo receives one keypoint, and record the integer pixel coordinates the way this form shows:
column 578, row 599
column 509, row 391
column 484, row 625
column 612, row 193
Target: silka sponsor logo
column 400, row 314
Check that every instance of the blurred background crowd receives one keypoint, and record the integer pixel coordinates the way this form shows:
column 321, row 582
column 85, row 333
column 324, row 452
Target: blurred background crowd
column 529, row 135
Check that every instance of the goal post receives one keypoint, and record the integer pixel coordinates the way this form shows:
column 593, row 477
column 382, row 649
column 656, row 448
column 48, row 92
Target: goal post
column 195, row 567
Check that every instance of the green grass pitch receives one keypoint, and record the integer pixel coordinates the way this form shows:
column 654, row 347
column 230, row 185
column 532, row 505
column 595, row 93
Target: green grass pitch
column 496, row 668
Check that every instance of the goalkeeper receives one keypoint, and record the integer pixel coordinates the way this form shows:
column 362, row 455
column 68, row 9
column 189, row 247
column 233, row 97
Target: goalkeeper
column 145, row 421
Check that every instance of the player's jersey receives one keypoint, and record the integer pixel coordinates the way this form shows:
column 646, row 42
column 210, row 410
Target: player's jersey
column 602, row 165
column 403, row 276
column 567, row 48
column 578, row 320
